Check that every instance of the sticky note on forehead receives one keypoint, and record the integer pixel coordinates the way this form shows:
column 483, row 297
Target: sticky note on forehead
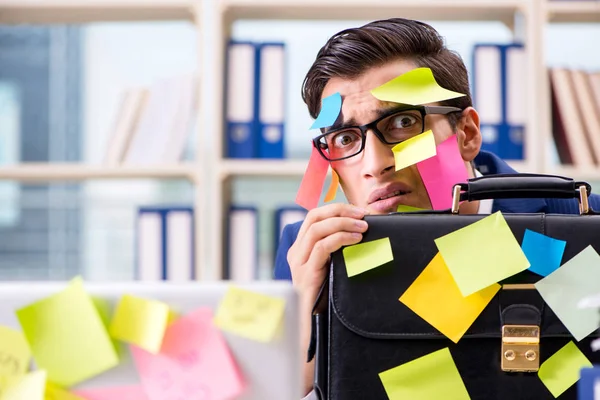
column 330, row 110
column 414, row 87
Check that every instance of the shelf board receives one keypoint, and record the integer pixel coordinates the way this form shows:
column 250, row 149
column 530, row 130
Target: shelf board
column 82, row 11
column 43, row 172
column 446, row 10
column 295, row 168
column 573, row 11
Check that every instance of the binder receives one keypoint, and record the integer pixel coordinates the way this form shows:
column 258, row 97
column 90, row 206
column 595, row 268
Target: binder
column 242, row 244
column 240, row 100
column 499, row 78
column 270, row 100
column 284, row 216
column 588, row 386
column 165, row 244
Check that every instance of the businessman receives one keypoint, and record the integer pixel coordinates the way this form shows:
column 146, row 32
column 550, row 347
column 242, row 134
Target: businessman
column 358, row 146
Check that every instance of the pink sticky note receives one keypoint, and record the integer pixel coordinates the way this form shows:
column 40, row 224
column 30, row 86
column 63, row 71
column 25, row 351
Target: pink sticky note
column 312, row 183
column 133, row 392
column 441, row 172
column 194, row 362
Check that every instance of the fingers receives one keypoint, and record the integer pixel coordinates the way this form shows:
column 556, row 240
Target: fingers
column 322, row 229
column 330, row 211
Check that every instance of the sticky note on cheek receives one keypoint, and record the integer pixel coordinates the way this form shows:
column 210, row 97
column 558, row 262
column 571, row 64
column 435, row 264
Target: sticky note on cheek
column 311, row 186
column 330, row 110
column 331, row 192
column 252, row 315
column 441, row 172
column 414, row 150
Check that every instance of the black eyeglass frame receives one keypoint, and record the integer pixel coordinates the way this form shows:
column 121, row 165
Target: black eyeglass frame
column 424, row 110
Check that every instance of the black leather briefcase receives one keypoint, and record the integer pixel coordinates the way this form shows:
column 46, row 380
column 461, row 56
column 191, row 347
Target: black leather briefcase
column 361, row 329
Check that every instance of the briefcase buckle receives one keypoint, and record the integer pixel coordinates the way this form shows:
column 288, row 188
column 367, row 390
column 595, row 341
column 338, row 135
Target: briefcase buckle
column 520, row 348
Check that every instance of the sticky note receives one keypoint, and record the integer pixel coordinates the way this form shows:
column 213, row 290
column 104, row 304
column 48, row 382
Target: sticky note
column 433, row 376
column 365, row 256
column 14, row 352
column 54, row 392
column 30, row 386
column 194, row 363
column 333, row 186
column 67, row 337
column 130, row 392
column 415, row 87
column 563, row 289
column 414, row 150
column 252, row 315
column 140, row 321
column 435, row 297
column 441, row 172
column 561, row 370
column 544, row 253
column 330, row 110
column 404, row 208
column 494, row 254
column 311, row 186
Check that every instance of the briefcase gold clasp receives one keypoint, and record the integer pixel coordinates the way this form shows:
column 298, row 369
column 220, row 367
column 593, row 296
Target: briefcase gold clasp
column 520, row 348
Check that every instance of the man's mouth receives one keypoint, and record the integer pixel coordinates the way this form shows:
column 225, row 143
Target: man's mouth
column 393, row 194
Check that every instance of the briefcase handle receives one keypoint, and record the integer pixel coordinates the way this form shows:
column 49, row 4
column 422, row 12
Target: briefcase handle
column 506, row 186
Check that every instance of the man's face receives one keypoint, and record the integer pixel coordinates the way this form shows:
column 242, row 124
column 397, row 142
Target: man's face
column 369, row 179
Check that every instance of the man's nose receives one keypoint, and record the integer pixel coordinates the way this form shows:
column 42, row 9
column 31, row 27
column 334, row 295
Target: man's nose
column 378, row 158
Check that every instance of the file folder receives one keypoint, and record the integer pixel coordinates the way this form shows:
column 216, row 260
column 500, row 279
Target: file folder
column 242, row 244
column 240, row 98
column 271, row 100
column 284, row 216
column 487, row 93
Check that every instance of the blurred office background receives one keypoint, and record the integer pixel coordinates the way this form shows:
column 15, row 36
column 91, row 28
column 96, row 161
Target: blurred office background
column 60, row 90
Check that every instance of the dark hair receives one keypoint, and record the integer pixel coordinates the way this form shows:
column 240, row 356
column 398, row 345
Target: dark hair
column 349, row 53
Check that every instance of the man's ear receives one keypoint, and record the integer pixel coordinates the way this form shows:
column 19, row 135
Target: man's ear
column 469, row 135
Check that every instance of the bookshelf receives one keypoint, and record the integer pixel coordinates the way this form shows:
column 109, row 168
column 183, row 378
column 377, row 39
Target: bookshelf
column 213, row 19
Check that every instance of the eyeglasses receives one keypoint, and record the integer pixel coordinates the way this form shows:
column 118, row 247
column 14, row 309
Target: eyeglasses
column 393, row 127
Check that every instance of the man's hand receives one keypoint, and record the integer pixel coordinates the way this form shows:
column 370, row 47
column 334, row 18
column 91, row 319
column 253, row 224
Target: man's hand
column 324, row 230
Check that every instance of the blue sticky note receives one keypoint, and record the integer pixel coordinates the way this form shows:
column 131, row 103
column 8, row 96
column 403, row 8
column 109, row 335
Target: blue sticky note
column 330, row 110
column 544, row 253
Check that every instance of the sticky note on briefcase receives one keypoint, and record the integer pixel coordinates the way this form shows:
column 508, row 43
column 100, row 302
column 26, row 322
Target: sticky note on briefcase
column 561, row 370
column 365, row 256
column 482, row 253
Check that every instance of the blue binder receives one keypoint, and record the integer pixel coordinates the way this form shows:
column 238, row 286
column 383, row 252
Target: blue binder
column 586, row 386
column 154, row 248
column 270, row 100
column 285, row 215
column 498, row 102
column 241, row 79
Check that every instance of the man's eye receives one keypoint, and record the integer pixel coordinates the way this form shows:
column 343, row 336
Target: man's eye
column 344, row 139
column 403, row 121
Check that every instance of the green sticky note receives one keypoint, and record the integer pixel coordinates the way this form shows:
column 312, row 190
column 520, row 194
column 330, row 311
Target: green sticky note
column 433, row 376
column 495, row 256
column 14, row 352
column 141, row 322
column 414, row 150
column 404, row 208
column 365, row 256
column 562, row 369
column 415, row 87
column 566, row 286
column 67, row 337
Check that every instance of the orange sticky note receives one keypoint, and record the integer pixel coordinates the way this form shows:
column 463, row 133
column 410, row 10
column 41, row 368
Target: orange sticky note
column 335, row 181
column 194, row 362
column 312, row 183
column 435, row 297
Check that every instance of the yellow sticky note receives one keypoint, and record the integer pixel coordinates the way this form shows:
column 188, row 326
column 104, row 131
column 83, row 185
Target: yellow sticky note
column 415, row 87
column 495, row 254
column 404, row 208
column 368, row 255
column 414, row 150
column 54, row 392
column 67, row 337
column 433, row 376
column 14, row 352
column 30, row 386
column 141, row 322
column 435, row 297
column 561, row 370
column 252, row 315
